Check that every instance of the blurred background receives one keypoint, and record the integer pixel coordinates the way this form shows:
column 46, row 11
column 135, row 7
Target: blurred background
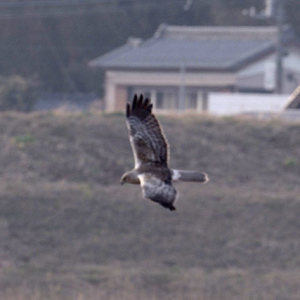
column 223, row 76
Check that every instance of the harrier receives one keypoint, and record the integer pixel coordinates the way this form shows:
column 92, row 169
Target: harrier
column 150, row 151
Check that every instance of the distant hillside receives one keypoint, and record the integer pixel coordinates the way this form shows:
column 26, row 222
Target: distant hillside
column 67, row 228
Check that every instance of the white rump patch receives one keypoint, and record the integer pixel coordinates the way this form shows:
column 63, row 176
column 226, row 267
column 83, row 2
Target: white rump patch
column 176, row 175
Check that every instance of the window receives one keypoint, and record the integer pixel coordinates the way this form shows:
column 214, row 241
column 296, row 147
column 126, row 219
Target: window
column 159, row 100
column 166, row 100
column 145, row 92
column 191, row 101
column 170, row 100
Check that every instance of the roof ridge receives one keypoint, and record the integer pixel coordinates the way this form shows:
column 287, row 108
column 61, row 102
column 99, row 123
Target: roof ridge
column 219, row 28
column 219, row 32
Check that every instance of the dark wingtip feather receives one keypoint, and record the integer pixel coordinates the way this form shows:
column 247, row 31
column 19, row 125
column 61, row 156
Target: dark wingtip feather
column 140, row 105
column 145, row 104
column 134, row 102
column 127, row 110
column 140, row 101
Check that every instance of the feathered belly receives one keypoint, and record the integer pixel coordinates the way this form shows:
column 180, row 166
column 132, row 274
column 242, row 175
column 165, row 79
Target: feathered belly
column 156, row 189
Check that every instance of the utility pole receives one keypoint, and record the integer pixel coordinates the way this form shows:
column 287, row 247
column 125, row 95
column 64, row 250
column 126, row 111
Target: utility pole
column 181, row 98
column 275, row 11
column 279, row 17
column 181, row 103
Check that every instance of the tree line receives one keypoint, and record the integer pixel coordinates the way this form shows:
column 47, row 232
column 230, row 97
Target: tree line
column 52, row 41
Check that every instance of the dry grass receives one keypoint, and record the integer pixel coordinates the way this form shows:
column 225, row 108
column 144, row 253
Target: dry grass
column 69, row 231
column 175, row 284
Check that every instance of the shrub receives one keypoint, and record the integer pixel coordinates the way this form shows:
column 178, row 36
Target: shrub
column 17, row 93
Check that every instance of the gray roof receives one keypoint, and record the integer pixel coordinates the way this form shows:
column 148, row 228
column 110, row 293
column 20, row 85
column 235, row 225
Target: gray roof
column 194, row 47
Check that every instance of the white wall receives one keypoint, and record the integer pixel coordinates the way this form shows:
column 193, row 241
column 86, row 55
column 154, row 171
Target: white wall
column 230, row 104
column 157, row 78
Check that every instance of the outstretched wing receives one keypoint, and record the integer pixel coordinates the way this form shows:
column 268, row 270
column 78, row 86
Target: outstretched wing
column 158, row 190
column 147, row 140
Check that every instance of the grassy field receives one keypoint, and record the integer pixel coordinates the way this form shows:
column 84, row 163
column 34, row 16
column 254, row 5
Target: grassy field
column 69, row 231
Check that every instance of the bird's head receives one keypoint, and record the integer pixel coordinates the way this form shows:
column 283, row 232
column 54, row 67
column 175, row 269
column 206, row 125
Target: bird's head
column 130, row 177
column 124, row 178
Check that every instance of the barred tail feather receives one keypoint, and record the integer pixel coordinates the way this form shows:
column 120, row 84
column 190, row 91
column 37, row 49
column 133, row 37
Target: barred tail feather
column 179, row 175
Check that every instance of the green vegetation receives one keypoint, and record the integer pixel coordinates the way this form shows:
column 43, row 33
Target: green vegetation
column 68, row 230
column 291, row 162
column 17, row 93
column 22, row 140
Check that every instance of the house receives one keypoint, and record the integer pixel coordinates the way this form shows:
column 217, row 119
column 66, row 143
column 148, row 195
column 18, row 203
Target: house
column 180, row 65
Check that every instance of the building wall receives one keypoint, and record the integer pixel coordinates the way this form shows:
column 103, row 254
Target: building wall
column 172, row 98
column 121, row 97
column 188, row 90
column 238, row 103
column 253, row 82
column 118, row 81
column 261, row 75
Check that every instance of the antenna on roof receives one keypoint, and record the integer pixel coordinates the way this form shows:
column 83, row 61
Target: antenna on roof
column 160, row 30
column 187, row 5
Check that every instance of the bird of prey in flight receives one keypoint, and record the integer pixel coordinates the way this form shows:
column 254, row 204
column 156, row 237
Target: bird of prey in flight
column 151, row 154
